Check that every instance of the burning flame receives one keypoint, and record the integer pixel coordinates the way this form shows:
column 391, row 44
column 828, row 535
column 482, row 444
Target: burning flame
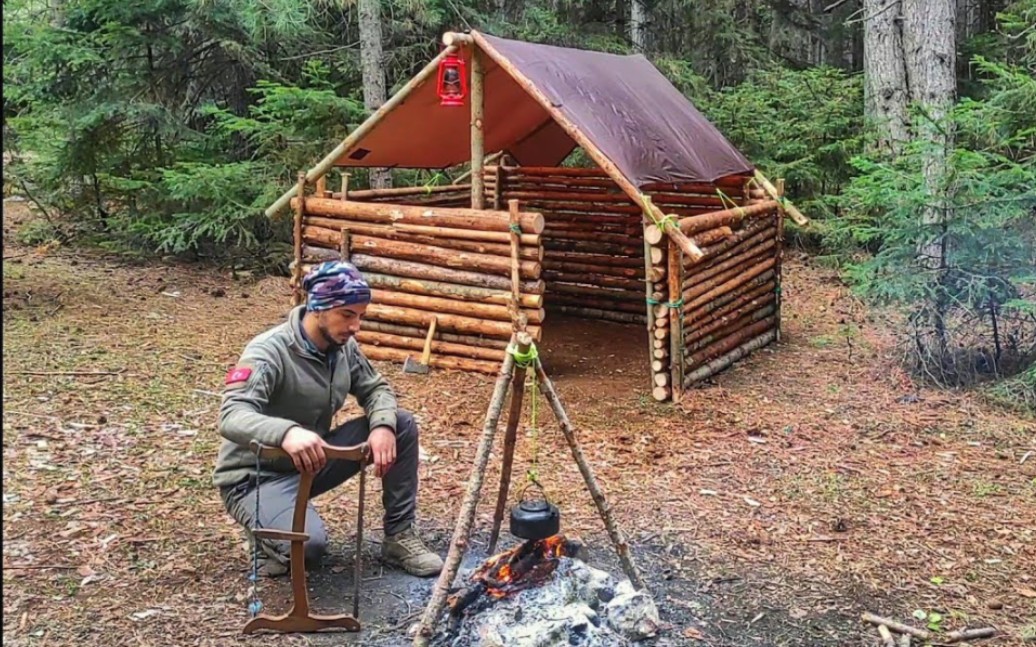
column 525, row 566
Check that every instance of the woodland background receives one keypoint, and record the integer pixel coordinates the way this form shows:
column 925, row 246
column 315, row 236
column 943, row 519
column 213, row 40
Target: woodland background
column 906, row 129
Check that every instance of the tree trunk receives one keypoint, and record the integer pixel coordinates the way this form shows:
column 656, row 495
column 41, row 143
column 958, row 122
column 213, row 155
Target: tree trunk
column 638, row 26
column 371, row 61
column 885, row 77
column 929, row 38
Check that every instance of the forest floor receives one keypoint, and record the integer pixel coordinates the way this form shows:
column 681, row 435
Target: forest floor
column 810, row 483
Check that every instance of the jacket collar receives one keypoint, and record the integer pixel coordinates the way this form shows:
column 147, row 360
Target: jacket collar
column 301, row 344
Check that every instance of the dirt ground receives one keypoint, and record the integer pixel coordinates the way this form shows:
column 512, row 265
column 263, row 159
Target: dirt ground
column 812, row 482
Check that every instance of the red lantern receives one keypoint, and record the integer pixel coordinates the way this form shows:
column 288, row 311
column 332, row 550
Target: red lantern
column 453, row 82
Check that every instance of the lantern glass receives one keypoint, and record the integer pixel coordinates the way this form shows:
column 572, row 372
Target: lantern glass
column 452, row 81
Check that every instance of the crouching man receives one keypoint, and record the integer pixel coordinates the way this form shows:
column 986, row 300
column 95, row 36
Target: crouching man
column 284, row 391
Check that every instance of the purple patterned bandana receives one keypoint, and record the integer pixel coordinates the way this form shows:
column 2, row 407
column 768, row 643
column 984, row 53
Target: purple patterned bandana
column 334, row 284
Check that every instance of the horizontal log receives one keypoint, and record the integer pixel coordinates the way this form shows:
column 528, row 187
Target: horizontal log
column 449, row 290
column 582, row 258
column 367, row 194
column 723, row 346
column 592, row 247
column 556, row 171
column 756, row 287
column 454, row 306
column 483, row 220
column 606, row 315
column 528, row 252
column 314, row 254
column 430, row 254
column 723, row 326
column 660, row 393
column 760, row 237
column 399, row 355
column 590, row 236
column 552, row 171
column 752, row 258
column 750, row 229
column 597, row 303
column 752, row 299
column 447, row 322
column 744, row 258
column 571, row 267
column 548, row 206
column 589, row 185
column 469, row 234
column 597, row 292
column 724, row 362
column 710, row 236
column 372, row 338
column 416, row 332
column 692, row 224
column 705, row 292
column 554, row 276
column 602, row 197
column 424, row 271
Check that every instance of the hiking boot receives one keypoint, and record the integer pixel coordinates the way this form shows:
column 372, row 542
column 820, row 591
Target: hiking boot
column 406, row 550
column 268, row 565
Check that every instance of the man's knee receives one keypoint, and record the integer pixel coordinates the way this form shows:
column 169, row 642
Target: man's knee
column 406, row 426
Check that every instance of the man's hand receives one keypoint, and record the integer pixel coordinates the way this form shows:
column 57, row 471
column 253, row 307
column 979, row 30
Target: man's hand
column 383, row 449
column 306, row 450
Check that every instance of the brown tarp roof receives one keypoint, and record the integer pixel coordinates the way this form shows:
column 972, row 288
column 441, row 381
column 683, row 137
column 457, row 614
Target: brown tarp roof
column 623, row 104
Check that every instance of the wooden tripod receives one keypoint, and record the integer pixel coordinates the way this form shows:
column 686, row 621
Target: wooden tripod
column 462, row 531
column 300, row 619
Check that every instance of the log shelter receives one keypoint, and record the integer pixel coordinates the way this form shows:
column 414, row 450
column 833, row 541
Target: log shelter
column 673, row 229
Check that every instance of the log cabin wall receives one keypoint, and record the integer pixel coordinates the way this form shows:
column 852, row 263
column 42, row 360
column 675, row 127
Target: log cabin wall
column 664, row 262
column 427, row 262
column 593, row 239
column 731, row 299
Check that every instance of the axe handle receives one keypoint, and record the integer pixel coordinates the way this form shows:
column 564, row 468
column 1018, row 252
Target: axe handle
column 427, row 354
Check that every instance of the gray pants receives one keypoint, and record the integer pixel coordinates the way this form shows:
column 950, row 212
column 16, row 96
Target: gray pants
column 277, row 495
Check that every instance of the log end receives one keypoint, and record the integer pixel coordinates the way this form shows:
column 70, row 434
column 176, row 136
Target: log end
column 660, row 393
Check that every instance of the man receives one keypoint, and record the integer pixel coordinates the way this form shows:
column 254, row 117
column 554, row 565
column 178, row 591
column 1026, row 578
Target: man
column 284, row 391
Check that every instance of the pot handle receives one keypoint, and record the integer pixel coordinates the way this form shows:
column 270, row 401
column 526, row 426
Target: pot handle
column 532, row 483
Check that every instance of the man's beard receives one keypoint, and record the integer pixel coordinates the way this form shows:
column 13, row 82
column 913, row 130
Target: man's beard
column 332, row 344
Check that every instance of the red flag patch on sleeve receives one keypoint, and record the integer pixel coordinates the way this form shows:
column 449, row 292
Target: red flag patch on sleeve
column 238, row 374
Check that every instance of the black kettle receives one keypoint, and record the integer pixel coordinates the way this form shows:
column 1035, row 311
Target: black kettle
column 535, row 519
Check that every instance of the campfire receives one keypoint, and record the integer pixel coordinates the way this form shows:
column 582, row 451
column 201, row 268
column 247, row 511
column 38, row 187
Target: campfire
column 541, row 592
column 527, row 565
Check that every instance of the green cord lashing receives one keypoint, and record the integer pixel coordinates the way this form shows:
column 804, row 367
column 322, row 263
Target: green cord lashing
column 523, row 361
column 515, row 228
column 675, row 304
column 653, row 302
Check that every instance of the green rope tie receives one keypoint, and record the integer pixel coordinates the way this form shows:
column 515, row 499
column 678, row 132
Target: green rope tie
column 524, row 360
column 667, row 220
column 515, row 228
column 675, row 304
column 652, row 302
column 729, row 203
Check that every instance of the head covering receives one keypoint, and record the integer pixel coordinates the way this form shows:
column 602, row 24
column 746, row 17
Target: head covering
column 334, row 284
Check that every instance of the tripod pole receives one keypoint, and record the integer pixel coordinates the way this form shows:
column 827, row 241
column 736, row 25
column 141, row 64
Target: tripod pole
column 621, row 547
column 461, row 532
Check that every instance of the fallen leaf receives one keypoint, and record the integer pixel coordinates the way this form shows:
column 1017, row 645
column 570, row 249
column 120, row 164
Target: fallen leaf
column 1026, row 592
column 692, row 633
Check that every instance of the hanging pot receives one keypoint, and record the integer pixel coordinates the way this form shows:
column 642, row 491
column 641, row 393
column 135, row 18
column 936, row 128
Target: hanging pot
column 535, row 519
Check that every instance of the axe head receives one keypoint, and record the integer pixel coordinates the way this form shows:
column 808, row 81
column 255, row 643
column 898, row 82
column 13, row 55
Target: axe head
column 411, row 365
